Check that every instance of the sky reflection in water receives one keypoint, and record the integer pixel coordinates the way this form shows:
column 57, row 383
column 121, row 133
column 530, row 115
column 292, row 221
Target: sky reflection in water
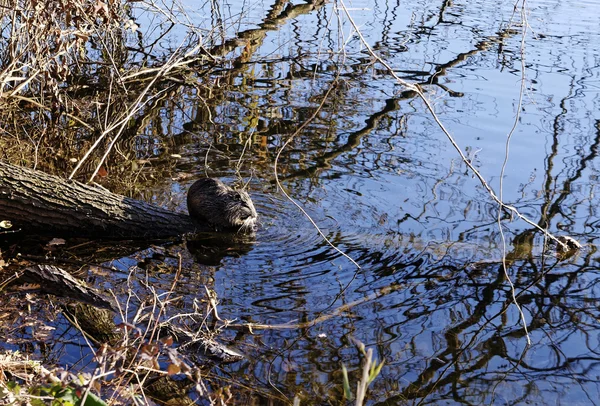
column 386, row 186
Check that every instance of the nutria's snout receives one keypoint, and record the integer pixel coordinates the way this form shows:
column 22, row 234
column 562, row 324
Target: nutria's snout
column 212, row 202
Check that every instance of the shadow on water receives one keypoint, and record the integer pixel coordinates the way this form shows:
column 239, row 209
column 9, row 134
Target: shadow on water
column 212, row 248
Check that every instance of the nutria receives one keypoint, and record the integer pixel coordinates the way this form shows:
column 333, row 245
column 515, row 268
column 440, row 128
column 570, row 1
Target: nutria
column 212, row 202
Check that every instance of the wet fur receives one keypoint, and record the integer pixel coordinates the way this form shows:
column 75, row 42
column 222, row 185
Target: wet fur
column 212, row 202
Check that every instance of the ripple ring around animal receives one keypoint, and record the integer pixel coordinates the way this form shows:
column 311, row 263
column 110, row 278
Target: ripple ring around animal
column 212, row 202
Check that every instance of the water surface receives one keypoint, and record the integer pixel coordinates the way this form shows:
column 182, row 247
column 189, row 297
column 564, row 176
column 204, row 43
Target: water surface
column 384, row 185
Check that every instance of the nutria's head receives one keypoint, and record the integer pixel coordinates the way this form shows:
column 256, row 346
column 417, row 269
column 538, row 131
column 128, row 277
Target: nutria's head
column 211, row 202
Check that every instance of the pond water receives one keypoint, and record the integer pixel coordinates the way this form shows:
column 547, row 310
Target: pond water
column 386, row 187
column 383, row 183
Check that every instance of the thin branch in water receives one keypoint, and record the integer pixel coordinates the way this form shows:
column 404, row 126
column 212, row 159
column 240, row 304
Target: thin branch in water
column 468, row 163
column 247, row 144
column 206, row 159
column 505, row 162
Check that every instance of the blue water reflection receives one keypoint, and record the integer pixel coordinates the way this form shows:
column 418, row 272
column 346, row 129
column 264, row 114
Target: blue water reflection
column 384, row 184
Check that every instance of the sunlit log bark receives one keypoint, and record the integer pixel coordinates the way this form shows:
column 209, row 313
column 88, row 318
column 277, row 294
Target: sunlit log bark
column 35, row 202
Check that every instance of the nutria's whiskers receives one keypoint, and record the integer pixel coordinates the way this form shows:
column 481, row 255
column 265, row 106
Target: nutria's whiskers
column 248, row 226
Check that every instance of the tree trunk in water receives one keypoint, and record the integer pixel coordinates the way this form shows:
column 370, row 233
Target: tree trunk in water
column 35, row 202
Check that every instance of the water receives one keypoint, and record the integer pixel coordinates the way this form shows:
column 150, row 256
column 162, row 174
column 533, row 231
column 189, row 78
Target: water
column 384, row 185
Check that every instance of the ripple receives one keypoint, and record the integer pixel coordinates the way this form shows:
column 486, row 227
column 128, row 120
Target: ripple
column 284, row 229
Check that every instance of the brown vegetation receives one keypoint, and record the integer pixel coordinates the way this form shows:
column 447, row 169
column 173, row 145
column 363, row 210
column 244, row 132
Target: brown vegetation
column 77, row 100
column 72, row 88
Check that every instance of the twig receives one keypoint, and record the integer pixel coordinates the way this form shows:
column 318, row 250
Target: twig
column 504, row 163
column 384, row 291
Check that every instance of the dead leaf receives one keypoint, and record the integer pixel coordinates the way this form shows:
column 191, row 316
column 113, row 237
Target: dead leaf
column 173, row 369
column 56, row 241
column 102, row 172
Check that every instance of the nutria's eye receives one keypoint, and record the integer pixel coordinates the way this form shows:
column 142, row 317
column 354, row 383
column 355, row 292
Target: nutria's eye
column 237, row 197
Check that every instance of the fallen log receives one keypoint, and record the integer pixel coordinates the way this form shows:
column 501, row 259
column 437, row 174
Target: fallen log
column 38, row 203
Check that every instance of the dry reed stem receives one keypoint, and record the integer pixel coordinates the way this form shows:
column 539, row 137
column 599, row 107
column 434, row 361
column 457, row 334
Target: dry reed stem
column 136, row 106
column 505, row 162
column 384, row 291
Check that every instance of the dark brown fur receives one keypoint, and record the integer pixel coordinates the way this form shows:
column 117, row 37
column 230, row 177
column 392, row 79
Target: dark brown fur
column 212, row 202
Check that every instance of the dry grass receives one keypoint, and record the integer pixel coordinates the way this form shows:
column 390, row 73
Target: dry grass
column 134, row 361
